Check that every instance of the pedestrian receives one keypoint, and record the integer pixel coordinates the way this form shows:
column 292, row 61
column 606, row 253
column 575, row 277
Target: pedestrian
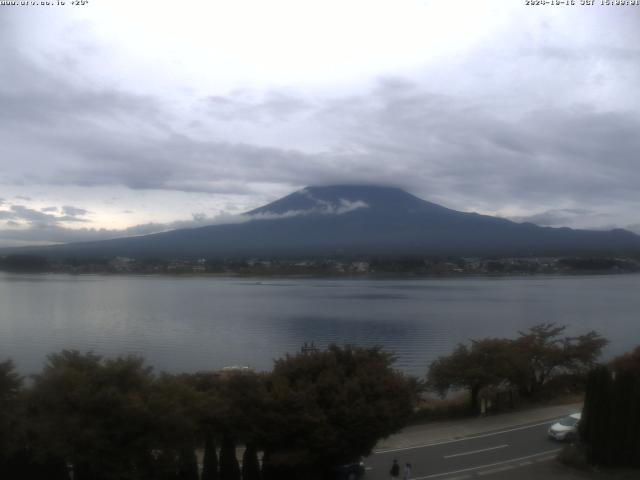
column 395, row 469
column 407, row 471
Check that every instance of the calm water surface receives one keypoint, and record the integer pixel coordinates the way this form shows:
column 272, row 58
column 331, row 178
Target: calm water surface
column 189, row 324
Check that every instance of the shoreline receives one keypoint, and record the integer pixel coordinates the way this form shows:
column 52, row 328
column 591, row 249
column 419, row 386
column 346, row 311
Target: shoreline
column 333, row 275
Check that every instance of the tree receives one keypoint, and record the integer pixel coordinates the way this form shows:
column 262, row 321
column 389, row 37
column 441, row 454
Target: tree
column 528, row 362
column 542, row 353
column 23, row 263
column 10, row 382
column 94, row 414
column 610, row 424
column 486, row 362
column 596, row 413
column 229, row 468
column 10, row 420
column 331, row 407
column 241, row 398
column 187, row 464
column 176, row 405
column 232, row 407
column 210, row 459
column 250, row 463
column 628, row 362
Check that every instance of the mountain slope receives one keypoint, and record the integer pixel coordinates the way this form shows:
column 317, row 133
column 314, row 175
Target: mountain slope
column 359, row 220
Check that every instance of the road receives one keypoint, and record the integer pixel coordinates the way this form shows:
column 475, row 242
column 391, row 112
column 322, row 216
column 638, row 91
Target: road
column 476, row 456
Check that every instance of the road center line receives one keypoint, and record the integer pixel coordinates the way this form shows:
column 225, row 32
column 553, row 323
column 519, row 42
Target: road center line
column 512, row 460
column 464, row 439
column 476, row 451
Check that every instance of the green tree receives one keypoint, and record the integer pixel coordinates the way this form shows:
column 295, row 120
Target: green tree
column 543, row 352
column 231, row 406
column 250, row 463
column 610, row 424
column 331, row 407
column 208, row 411
column 11, row 419
column 94, row 414
column 596, row 413
column 187, row 463
column 176, row 406
column 628, row 363
column 241, row 398
column 210, row 459
column 24, row 263
column 229, row 468
column 485, row 363
column 10, row 382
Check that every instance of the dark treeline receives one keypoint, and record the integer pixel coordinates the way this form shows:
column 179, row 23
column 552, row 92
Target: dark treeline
column 339, row 265
column 107, row 419
column 610, row 424
column 24, row 263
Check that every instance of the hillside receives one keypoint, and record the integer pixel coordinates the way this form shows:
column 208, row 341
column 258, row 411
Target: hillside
column 358, row 220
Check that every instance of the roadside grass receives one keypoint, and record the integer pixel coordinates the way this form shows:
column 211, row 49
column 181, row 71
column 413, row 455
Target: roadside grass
column 433, row 408
column 548, row 401
column 456, row 406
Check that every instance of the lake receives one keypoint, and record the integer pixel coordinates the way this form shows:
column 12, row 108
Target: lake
column 199, row 323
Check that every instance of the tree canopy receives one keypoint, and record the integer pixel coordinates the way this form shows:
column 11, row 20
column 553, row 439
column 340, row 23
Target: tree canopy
column 485, row 362
column 610, row 423
column 95, row 414
column 542, row 351
column 331, row 407
column 108, row 419
column 525, row 363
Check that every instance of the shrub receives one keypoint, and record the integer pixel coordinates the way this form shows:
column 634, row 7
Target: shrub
column 574, row 456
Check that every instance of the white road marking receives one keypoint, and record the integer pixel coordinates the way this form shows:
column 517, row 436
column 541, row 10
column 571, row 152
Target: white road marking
column 475, row 451
column 484, row 435
column 497, row 470
column 545, row 459
column 512, row 460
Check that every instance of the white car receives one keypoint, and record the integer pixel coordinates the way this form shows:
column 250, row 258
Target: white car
column 566, row 428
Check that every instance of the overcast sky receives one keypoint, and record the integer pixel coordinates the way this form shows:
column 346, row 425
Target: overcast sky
column 121, row 117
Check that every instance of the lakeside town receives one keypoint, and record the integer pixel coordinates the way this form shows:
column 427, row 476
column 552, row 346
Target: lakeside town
column 338, row 266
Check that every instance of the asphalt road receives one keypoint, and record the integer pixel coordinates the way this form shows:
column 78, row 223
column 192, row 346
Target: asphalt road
column 473, row 456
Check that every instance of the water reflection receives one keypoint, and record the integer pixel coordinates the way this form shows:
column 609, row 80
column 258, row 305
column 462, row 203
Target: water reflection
column 187, row 324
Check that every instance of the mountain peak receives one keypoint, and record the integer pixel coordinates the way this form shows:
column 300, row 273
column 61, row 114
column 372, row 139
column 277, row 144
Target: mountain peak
column 343, row 199
column 360, row 220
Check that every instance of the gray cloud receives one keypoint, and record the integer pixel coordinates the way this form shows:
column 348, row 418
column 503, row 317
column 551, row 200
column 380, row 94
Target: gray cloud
column 556, row 217
column 81, row 136
column 454, row 148
column 35, row 217
column 73, row 211
column 461, row 151
column 634, row 228
column 52, row 232
column 537, row 126
column 275, row 105
column 46, row 229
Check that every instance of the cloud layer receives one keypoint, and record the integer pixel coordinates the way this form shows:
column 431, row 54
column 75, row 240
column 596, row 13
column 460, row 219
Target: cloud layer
column 536, row 120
